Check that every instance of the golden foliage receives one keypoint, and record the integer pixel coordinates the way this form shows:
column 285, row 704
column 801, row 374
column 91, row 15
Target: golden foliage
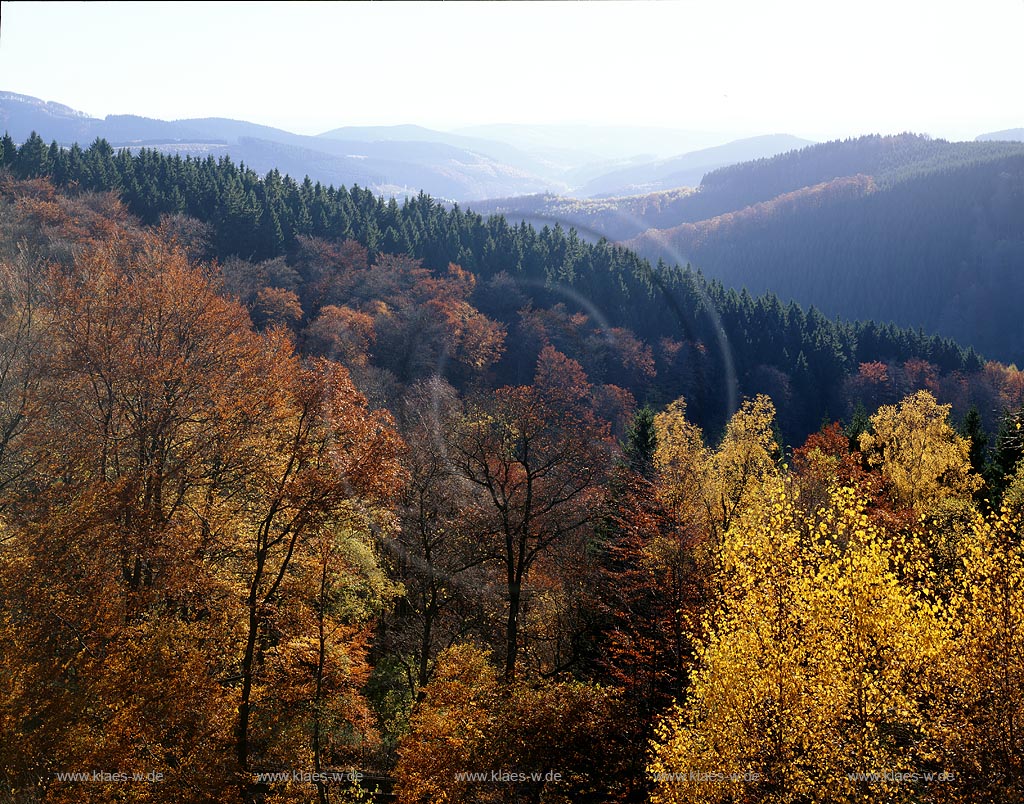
column 471, row 728
column 919, row 452
column 982, row 702
column 817, row 665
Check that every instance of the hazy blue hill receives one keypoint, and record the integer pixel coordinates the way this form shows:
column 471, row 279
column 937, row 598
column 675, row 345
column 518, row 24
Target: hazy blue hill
column 386, row 168
column 233, row 130
column 687, row 170
column 1011, row 134
column 410, row 133
column 399, row 132
column 579, row 176
column 20, row 115
column 440, row 165
column 265, row 155
column 122, row 129
column 581, row 144
column 495, row 149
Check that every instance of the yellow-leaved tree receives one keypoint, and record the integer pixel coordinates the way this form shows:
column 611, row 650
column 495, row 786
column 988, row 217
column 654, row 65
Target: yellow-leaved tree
column 927, row 467
column 918, row 450
column 681, row 462
column 742, row 463
column 699, row 491
column 1014, row 495
column 982, row 704
column 707, row 489
column 817, row 666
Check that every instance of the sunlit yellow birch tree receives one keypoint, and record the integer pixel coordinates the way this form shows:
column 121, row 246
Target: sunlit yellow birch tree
column 817, row 667
column 920, row 452
column 982, row 724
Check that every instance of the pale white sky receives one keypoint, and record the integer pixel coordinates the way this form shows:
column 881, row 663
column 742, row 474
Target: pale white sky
column 820, row 69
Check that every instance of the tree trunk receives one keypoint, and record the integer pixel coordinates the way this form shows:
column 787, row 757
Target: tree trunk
column 248, row 665
column 512, row 629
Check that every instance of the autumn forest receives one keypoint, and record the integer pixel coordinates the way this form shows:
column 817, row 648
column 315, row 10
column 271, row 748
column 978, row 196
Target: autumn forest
column 309, row 495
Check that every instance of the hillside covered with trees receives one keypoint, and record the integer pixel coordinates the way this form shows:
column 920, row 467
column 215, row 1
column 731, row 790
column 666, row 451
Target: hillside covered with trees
column 430, row 507
column 924, row 233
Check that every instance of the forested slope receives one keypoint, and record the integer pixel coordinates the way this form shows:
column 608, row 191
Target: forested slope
column 933, row 239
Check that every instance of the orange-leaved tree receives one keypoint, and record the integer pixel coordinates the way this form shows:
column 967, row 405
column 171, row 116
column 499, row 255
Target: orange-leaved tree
column 537, row 458
column 184, row 470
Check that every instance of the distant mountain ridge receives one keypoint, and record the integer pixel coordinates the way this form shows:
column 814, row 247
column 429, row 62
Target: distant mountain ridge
column 1010, row 134
column 687, row 170
column 604, row 143
column 493, row 149
column 460, row 166
column 388, row 167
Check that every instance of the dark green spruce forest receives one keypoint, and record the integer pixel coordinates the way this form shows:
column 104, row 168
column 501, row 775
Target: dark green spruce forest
column 308, row 495
column 710, row 344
